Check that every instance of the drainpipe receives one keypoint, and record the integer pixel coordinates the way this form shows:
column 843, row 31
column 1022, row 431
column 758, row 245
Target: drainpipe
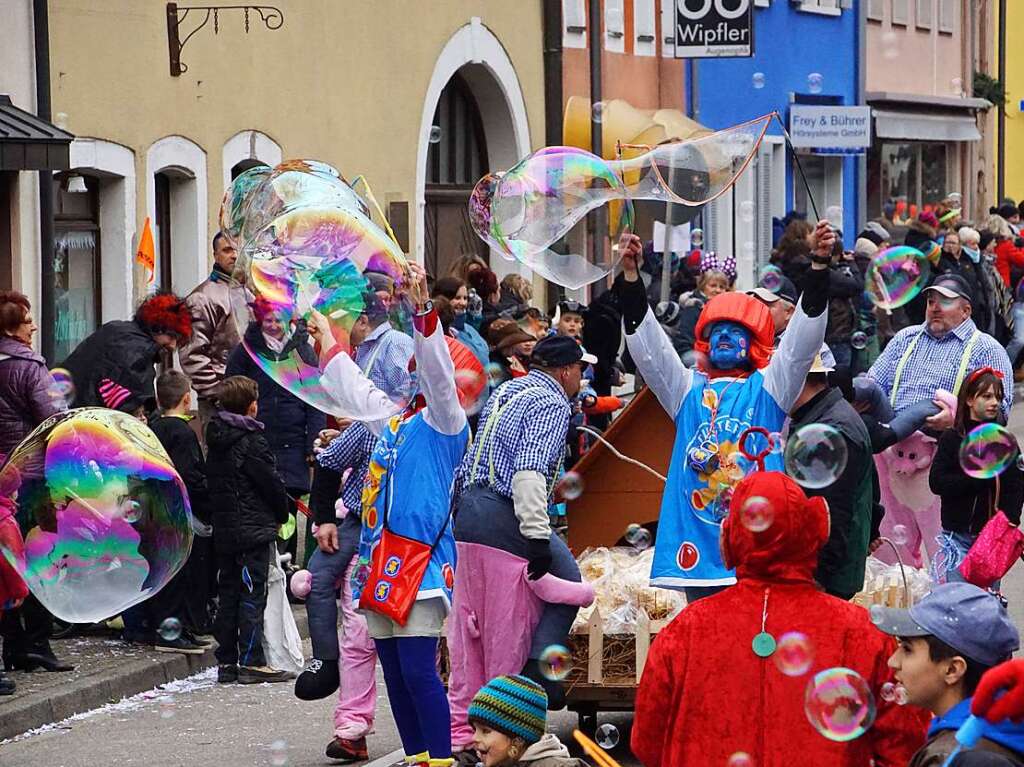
column 598, row 220
column 48, row 310
column 1001, row 129
column 552, row 72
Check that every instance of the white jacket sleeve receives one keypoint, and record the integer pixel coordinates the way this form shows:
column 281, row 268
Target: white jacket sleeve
column 801, row 342
column 530, row 500
column 437, row 380
column 355, row 395
column 659, row 364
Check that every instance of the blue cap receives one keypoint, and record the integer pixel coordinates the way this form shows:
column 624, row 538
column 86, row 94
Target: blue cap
column 559, row 351
column 972, row 621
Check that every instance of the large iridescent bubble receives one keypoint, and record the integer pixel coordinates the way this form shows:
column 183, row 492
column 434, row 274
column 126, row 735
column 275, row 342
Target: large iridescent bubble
column 895, row 276
column 236, row 200
column 105, row 516
column 311, row 256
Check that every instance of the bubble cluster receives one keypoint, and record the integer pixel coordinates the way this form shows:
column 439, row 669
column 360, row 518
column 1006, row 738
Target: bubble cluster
column 987, row 451
column 895, row 276
column 312, row 263
column 555, row 662
column 815, row 455
column 757, row 514
column 638, row 536
column 169, row 629
column 106, row 516
column 570, row 486
column 794, row 654
column 607, row 736
column 859, row 340
column 891, row 692
column 839, row 704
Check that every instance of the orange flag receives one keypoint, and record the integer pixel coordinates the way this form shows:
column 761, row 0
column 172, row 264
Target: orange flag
column 146, row 254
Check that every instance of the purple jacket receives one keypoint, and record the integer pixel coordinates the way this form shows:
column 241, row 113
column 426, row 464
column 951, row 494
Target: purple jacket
column 25, row 399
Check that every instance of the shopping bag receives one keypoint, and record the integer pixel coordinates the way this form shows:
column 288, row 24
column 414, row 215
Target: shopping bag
column 997, row 547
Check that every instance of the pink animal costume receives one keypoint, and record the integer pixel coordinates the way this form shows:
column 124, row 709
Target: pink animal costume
column 911, row 510
column 495, row 610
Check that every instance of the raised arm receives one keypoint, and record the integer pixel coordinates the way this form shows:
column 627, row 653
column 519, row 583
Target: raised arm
column 434, row 365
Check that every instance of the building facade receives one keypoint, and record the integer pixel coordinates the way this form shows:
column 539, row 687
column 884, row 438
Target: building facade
column 420, row 107
column 1014, row 121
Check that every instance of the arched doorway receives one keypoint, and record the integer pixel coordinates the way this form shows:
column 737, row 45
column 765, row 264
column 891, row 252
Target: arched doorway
column 456, row 159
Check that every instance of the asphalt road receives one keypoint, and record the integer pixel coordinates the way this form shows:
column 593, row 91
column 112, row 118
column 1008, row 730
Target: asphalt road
column 199, row 722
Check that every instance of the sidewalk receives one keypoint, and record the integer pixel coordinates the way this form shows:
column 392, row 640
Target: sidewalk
column 106, row 670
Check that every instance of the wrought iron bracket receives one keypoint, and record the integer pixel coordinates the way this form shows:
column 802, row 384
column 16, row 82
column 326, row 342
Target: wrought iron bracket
column 270, row 16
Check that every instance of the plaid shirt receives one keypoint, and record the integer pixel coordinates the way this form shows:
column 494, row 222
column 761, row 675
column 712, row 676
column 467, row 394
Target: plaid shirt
column 350, row 450
column 529, row 434
column 935, row 362
column 384, row 357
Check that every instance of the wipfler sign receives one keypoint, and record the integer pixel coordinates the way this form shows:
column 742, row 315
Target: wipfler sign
column 830, row 127
column 714, row 28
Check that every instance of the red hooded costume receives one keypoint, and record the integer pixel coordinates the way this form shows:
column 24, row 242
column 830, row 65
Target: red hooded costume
column 705, row 695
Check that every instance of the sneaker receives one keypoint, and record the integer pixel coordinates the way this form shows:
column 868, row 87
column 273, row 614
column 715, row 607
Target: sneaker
column 260, row 674
column 347, row 750
column 318, row 680
column 227, row 674
column 182, row 644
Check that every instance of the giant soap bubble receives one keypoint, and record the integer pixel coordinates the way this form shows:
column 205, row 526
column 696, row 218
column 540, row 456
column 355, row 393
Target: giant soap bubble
column 312, row 256
column 236, row 200
column 537, row 211
column 895, row 276
column 105, row 516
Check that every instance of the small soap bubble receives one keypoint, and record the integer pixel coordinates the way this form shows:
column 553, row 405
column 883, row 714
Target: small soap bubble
column 901, row 698
column 834, row 215
column 758, row 80
column 859, row 340
column 279, row 753
column 607, row 736
column 132, row 511
column 62, row 390
column 987, row 451
column 956, row 86
column 815, row 455
column 170, row 629
column 570, row 486
column 748, row 250
column 794, row 654
column 301, row 584
column 778, row 444
column 771, row 278
column 740, row 759
column 899, row 535
column 495, row 374
column 638, row 536
column 435, row 134
column 839, row 704
column 166, row 706
column 597, row 112
column 555, row 662
column 815, row 81
column 888, row 692
column 697, row 238
column 890, row 45
column 877, row 614
column 747, row 210
column 757, row 514
column 955, row 199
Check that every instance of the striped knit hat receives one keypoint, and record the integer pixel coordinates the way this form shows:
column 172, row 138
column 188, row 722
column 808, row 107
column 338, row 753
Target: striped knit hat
column 512, row 704
column 115, row 396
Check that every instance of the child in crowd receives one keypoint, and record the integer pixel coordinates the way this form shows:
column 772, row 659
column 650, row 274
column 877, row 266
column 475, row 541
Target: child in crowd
column 569, row 319
column 249, row 502
column 171, row 427
column 717, row 275
column 969, row 503
column 508, row 717
column 946, row 642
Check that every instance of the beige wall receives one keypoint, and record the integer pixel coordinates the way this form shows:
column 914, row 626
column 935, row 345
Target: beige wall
column 343, row 82
column 927, row 63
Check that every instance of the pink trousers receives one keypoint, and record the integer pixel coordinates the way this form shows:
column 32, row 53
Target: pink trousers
column 357, row 695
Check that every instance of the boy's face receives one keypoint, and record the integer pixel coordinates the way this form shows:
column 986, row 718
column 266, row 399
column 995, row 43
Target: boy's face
column 926, row 681
column 570, row 324
column 492, row 746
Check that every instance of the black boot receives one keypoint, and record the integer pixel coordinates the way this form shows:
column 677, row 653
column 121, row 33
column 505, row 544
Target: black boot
column 7, row 686
column 553, row 688
column 318, row 680
column 40, row 655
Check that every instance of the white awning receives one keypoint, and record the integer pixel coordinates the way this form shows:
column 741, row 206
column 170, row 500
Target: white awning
column 917, row 126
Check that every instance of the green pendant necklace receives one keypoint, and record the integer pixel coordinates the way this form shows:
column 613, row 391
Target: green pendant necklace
column 763, row 643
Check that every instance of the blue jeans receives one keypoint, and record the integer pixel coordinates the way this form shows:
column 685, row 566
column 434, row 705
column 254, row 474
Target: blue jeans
column 953, row 547
column 910, row 418
column 489, row 519
column 1014, row 347
column 321, row 604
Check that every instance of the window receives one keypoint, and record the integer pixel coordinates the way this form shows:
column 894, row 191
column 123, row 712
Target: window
column 825, row 178
column 574, row 24
column 614, row 26
column 76, row 260
column 645, row 42
column 826, row 7
column 924, row 14
column 900, row 12
column 947, row 16
column 668, row 28
column 912, row 177
column 876, row 10
column 163, row 224
column 762, row 3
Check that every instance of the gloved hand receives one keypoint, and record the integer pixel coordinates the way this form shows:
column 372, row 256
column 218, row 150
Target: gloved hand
column 539, row 554
column 1000, row 694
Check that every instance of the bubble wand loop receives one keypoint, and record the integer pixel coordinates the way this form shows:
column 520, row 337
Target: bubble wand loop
column 593, row 751
column 757, row 458
column 799, row 166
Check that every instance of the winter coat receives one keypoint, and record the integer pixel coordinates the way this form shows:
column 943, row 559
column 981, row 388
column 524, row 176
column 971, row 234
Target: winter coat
column 981, row 305
column 182, row 445
column 291, row 424
column 690, row 307
column 121, row 351
column 845, row 285
column 214, row 333
column 967, row 503
column 705, row 695
column 25, row 388
column 247, row 497
column 850, row 498
column 1008, row 258
column 1005, row 738
column 549, row 751
column 602, row 337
